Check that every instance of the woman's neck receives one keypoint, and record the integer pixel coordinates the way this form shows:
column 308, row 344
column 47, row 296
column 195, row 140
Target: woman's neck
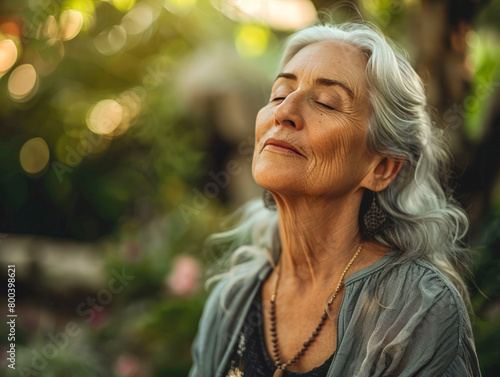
column 318, row 238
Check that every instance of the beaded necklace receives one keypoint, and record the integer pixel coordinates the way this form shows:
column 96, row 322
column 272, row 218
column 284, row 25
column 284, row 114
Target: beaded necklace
column 280, row 367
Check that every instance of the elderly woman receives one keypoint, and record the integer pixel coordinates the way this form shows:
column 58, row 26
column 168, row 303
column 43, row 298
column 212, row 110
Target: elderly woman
column 353, row 265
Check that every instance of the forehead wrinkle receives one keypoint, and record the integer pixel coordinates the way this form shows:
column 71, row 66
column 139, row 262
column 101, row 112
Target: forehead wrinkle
column 341, row 64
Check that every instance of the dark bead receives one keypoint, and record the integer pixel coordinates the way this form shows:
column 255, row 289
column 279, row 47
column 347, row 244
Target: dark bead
column 315, row 332
column 306, row 344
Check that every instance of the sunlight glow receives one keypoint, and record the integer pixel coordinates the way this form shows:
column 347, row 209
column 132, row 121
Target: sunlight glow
column 23, row 83
column 34, row 155
column 277, row 14
column 111, row 40
column 70, row 24
column 124, row 5
column 138, row 19
column 105, row 117
column 251, row 40
column 8, row 54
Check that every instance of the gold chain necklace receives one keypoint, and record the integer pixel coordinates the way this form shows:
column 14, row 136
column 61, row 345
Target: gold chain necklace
column 280, row 367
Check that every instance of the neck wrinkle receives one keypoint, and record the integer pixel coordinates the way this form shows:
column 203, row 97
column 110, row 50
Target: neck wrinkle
column 318, row 238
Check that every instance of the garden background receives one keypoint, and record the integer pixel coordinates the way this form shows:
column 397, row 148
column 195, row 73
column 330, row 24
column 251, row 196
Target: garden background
column 126, row 132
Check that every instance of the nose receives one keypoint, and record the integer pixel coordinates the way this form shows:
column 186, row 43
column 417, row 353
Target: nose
column 289, row 112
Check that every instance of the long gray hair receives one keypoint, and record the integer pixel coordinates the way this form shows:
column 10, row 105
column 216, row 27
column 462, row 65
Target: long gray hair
column 426, row 222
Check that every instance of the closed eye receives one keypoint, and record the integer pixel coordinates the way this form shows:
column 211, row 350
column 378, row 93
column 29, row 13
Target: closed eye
column 325, row 106
column 277, row 99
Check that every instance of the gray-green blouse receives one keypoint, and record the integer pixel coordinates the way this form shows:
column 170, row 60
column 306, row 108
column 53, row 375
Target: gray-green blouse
column 418, row 326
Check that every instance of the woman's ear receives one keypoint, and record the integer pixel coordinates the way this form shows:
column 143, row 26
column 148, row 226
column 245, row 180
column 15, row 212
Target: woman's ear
column 383, row 173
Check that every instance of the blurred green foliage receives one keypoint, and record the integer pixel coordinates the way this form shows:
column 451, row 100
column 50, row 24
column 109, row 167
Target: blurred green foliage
column 115, row 176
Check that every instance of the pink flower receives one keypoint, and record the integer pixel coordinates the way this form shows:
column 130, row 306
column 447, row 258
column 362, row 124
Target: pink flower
column 185, row 276
column 98, row 318
column 127, row 366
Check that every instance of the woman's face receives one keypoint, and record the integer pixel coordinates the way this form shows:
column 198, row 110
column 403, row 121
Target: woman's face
column 311, row 136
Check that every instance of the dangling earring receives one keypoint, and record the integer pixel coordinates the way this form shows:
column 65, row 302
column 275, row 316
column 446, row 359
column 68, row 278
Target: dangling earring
column 269, row 201
column 374, row 219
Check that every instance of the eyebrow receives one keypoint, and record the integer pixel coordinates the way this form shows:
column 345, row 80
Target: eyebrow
column 320, row 81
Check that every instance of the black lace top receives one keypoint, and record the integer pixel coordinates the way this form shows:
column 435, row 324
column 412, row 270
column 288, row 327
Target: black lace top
column 250, row 357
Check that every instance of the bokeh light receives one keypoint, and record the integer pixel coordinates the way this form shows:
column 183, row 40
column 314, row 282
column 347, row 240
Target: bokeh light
column 105, row 117
column 86, row 9
column 139, row 18
column 131, row 105
column 278, row 14
column 179, row 7
column 11, row 28
column 288, row 14
column 123, row 5
column 70, row 24
column 8, row 54
column 471, row 38
column 50, row 29
column 251, row 40
column 23, row 83
column 249, row 6
column 111, row 40
column 121, row 116
column 34, row 155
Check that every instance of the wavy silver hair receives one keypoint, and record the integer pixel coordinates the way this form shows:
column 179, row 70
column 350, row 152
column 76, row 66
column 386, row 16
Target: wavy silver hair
column 426, row 221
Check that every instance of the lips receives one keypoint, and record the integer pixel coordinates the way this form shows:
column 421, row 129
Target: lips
column 282, row 146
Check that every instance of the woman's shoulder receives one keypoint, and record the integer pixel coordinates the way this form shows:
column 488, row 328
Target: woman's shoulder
column 422, row 276
column 408, row 305
column 395, row 273
column 412, row 287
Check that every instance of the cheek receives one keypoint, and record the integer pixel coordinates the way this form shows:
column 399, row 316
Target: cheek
column 339, row 148
column 262, row 122
column 261, row 127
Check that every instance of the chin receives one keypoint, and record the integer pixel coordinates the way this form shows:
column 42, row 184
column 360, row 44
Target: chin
column 277, row 180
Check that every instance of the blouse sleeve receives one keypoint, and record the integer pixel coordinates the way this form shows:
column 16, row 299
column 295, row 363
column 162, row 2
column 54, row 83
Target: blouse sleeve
column 203, row 347
column 415, row 326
